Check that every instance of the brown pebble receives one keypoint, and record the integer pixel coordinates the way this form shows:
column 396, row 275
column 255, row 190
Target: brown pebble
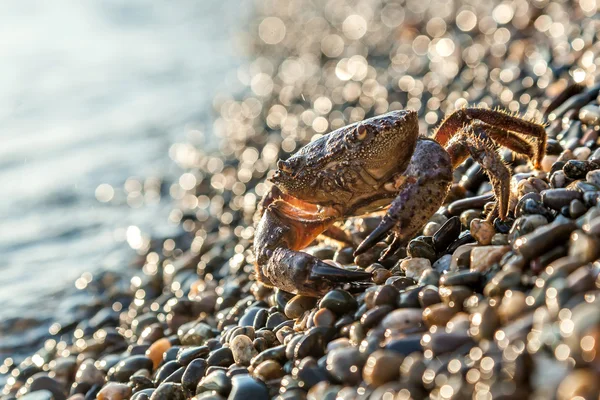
column 512, row 306
column 268, row 370
column 547, row 162
column 156, row 350
column 438, row 314
column 114, row 391
column 296, row 307
column 380, row 275
column 483, row 257
column 324, row 318
column 382, row 366
column 482, row 230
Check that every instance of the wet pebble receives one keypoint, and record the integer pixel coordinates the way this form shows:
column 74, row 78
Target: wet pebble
column 339, row 301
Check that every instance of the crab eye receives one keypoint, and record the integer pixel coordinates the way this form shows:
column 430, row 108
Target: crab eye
column 284, row 166
column 361, row 132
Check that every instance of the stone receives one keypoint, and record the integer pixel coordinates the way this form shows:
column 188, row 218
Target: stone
column 414, row 267
column 483, row 257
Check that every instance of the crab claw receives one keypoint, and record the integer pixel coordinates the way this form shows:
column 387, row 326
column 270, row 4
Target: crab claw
column 302, row 273
column 378, row 233
column 285, row 228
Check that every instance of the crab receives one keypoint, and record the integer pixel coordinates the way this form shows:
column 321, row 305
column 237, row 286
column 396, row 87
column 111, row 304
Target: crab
column 367, row 166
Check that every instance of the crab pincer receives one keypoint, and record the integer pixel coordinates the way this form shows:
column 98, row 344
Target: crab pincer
column 284, row 229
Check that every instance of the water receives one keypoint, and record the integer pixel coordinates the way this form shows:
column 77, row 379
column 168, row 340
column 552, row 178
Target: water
column 94, row 92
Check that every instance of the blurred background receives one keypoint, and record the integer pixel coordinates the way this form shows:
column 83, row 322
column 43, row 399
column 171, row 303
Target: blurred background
column 93, row 95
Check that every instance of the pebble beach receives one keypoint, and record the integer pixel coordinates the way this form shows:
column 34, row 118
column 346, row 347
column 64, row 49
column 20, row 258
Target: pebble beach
column 470, row 308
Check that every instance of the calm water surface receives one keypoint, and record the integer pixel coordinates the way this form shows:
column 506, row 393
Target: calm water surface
column 95, row 92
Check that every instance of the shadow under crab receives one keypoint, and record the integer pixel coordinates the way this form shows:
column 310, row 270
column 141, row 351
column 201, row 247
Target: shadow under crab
column 368, row 166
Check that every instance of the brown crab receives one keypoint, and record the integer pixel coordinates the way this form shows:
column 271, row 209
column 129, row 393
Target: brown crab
column 369, row 165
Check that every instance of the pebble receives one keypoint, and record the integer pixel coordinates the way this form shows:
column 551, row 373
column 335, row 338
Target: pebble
column 245, row 387
column 345, row 365
column 339, row 301
column 242, row 349
column 483, row 257
column 156, row 351
column 382, row 366
column 431, row 228
column 403, row 318
column 593, row 177
column 127, row 367
column 269, row 370
column 414, row 267
column 438, row 314
column 114, row 391
column 558, row 198
column 482, row 230
column 298, row 305
column 324, row 318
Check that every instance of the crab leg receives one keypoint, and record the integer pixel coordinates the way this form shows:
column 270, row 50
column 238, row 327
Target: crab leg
column 281, row 232
column 474, row 141
column 456, row 121
column 422, row 189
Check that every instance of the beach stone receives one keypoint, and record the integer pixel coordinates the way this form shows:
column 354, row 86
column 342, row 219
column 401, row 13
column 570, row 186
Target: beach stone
column 414, row 267
column 583, row 247
column 429, row 295
column 216, row 380
column 431, row 228
column 403, row 318
column 298, row 305
column 543, row 239
column 244, row 387
column 194, row 372
column 168, row 391
column 500, row 239
column 339, row 301
column 382, row 367
column 268, row 370
column 156, row 351
column 438, row 314
column 222, row 357
column 482, row 230
column 547, row 162
column 558, row 198
column 324, row 318
column 188, row 354
column 114, row 391
column 89, row 373
column 345, row 365
column 461, row 257
column 243, row 349
column 454, row 296
column 442, row 264
column 127, row 367
column 37, row 395
column 593, row 177
column 483, row 257
column 466, row 217
column 512, row 306
column 380, row 275
column 41, row 381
